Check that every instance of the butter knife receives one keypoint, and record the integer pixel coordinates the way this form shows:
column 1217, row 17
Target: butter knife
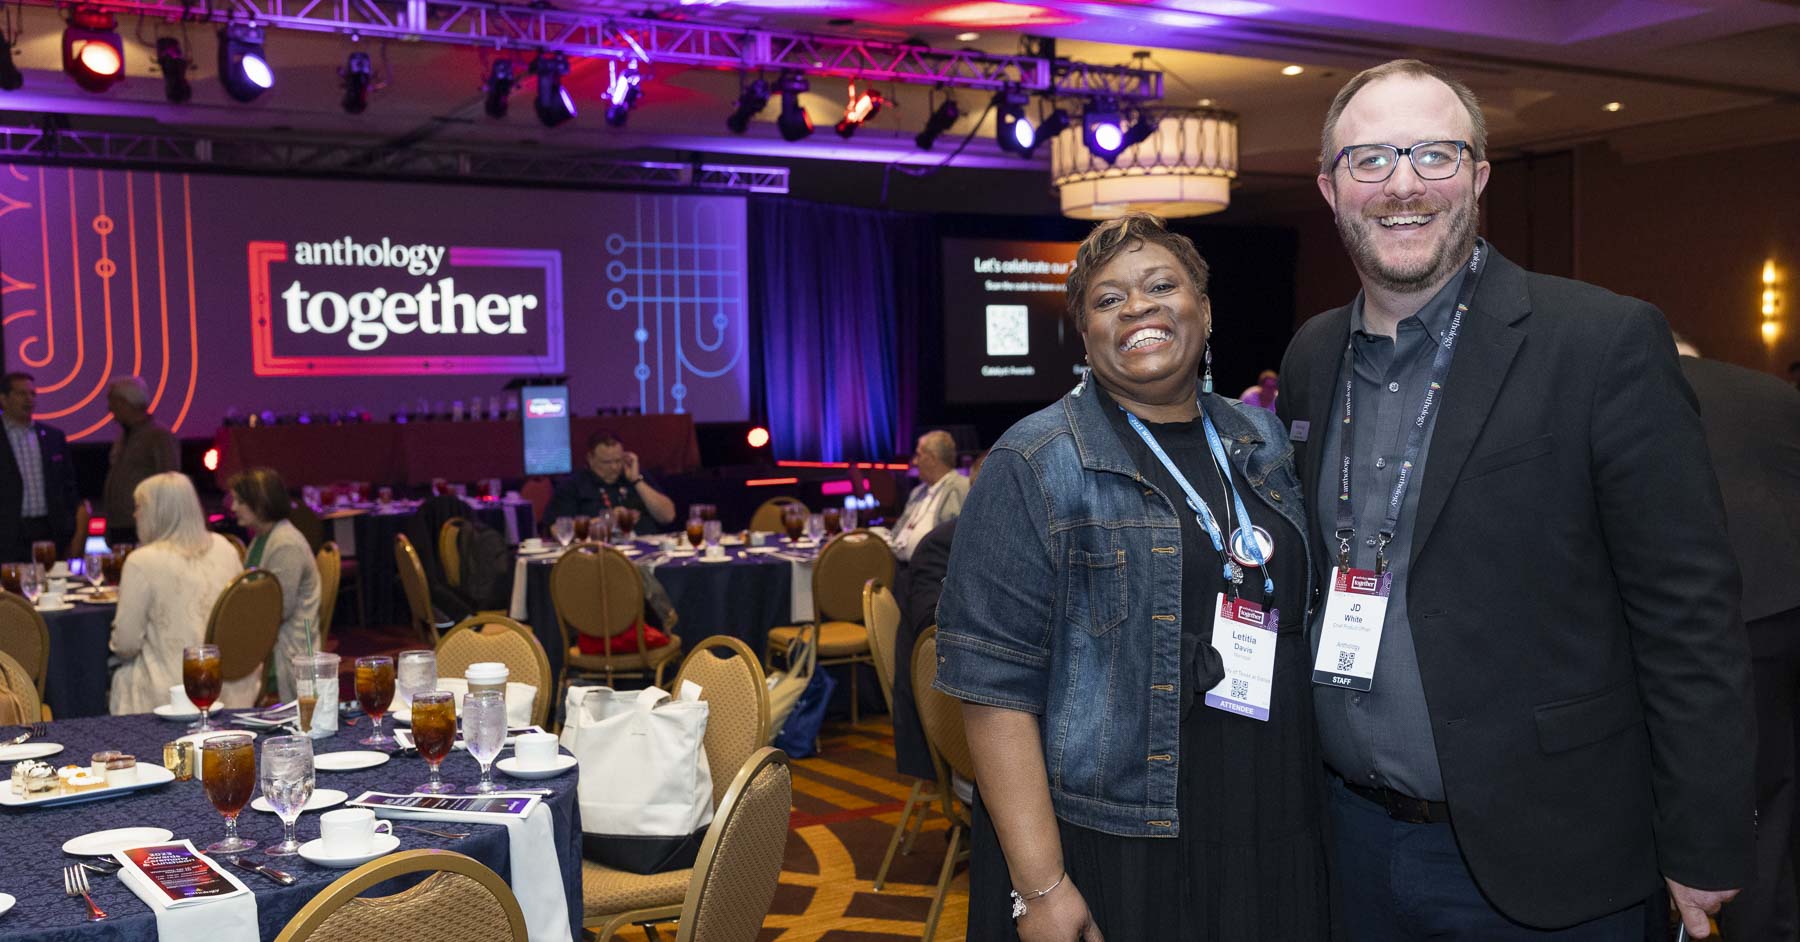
column 279, row 876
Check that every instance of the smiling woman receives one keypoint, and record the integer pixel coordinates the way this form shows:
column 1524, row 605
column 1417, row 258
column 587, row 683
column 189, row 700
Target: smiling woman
column 1136, row 704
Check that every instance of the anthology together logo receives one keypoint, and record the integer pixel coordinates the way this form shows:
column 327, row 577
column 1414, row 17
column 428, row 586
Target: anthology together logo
column 345, row 307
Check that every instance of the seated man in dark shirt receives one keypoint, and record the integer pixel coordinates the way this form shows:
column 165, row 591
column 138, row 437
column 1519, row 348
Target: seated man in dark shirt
column 611, row 479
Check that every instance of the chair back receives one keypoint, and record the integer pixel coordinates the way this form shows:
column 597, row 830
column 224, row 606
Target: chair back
column 449, row 550
column 846, row 562
column 939, row 713
column 739, row 862
column 538, row 490
column 237, row 543
column 308, row 523
column 498, row 638
column 767, row 517
column 24, row 635
column 17, row 686
column 418, row 591
column 737, row 717
column 84, row 514
column 597, row 591
column 461, row 899
column 331, row 573
column 245, row 620
column 881, row 616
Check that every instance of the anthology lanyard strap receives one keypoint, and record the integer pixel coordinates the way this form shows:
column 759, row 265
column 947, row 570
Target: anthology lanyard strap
column 1415, row 435
column 1233, row 574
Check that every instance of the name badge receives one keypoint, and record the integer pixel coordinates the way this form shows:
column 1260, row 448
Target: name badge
column 1300, row 430
column 1350, row 634
column 1245, row 636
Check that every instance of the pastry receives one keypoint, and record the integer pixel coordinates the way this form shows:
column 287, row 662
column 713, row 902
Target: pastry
column 82, row 781
column 121, row 769
column 101, row 758
column 34, row 779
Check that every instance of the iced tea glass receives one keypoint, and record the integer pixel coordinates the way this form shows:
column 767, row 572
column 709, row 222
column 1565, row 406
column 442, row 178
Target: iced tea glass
column 375, row 691
column 583, row 525
column 433, row 732
column 43, row 552
column 696, row 532
column 228, row 769
column 202, row 678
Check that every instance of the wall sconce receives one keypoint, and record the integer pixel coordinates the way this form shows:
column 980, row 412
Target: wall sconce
column 1771, row 303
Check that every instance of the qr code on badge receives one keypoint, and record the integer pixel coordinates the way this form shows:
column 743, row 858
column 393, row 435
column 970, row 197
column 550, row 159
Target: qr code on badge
column 1240, row 690
column 1346, row 660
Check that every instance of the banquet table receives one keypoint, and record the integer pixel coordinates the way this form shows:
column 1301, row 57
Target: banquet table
column 77, row 680
column 33, row 838
column 368, row 535
column 743, row 598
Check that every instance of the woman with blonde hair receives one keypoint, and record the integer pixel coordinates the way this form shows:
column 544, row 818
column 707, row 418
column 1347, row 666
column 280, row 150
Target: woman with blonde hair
column 166, row 594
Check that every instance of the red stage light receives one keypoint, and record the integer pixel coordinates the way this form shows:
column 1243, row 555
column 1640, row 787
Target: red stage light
column 211, row 459
column 770, row 482
column 93, row 54
column 758, row 437
column 837, row 488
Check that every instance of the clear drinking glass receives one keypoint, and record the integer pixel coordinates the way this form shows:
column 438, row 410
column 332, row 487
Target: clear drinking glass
column 815, row 527
column 712, row 530
column 564, row 531
column 434, row 733
column 31, row 581
column 849, row 518
column 202, row 678
column 93, row 568
column 228, row 768
column 287, row 782
column 416, row 673
column 316, row 688
column 484, row 731
column 375, row 691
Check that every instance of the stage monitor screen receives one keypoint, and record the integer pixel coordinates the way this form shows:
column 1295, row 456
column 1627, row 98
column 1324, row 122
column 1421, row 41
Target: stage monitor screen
column 544, row 413
column 1007, row 337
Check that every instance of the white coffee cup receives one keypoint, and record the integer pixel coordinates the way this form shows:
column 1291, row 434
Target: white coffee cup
column 179, row 702
column 350, row 832
column 531, row 544
column 535, row 750
column 715, row 551
column 50, row 600
column 487, row 675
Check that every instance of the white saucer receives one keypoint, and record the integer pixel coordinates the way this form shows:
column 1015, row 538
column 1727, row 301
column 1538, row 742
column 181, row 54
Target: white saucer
column 29, row 750
column 348, row 761
column 6, row 903
column 314, row 852
column 510, row 765
column 65, row 606
column 168, row 712
column 681, row 553
column 104, row 843
column 715, row 559
column 321, row 798
column 631, row 551
column 762, row 549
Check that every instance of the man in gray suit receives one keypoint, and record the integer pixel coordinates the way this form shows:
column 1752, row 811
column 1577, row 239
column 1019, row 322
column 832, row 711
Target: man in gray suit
column 937, row 499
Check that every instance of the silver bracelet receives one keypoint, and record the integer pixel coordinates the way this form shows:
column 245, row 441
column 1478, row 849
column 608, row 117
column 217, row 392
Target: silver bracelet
column 1018, row 902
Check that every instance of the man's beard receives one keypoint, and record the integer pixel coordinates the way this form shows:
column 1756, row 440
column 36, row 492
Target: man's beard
column 1358, row 233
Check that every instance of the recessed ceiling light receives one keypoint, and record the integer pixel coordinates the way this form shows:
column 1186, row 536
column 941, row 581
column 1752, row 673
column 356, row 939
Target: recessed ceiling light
column 1292, row 70
column 1205, row 102
column 967, row 37
column 1613, row 106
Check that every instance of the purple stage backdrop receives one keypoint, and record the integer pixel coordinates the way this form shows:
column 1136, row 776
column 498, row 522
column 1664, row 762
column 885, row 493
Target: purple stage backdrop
column 252, row 293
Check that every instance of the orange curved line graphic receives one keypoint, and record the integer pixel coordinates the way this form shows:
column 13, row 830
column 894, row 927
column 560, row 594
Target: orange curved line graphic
column 106, row 308
column 16, row 315
column 49, row 336
column 9, row 205
column 187, row 212
column 16, row 174
column 75, row 281
column 162, row 290
column 137, row 331
column 97, row 426
column 9, row 284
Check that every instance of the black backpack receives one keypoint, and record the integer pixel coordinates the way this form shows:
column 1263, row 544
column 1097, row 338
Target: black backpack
column 487, row 570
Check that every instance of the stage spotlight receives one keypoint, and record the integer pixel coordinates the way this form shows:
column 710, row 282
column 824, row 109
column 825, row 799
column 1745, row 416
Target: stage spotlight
column 498, row 87
column 794, row 122
column 174, row 65
column 757, row 437
column 939, row 122
column 751, row 101
column 11, row 79
column 1101, row 130
column 1012, row 130
column 554, row 106
column 861, row 108
column 358, row 75
column 242, row 67
column 93, row 54
column 622, row 93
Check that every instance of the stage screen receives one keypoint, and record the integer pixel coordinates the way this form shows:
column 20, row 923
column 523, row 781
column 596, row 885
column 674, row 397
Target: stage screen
column 1007, row 337
column 245, row 294
column 544, row 414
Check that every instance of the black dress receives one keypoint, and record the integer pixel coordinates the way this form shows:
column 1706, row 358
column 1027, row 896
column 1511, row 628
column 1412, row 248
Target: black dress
column 1249, row 862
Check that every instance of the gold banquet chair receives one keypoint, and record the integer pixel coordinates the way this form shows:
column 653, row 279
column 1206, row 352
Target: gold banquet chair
column 418, row 591
column 597, row 591
column 882, row 616
column 450, row 550
column 460, row 900
column 847, row 562
column 25, row 636
column 331, row 576
column 498, row 638
column 726, row 895
column 737, row 720
column 245, row 620
column 16, row 681
column 768, row 516
column 941, row 716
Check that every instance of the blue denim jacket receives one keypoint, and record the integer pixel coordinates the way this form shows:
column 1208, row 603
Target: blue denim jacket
column 1061, row 542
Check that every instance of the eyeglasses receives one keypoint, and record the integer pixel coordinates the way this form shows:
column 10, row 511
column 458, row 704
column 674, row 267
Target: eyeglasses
column 1431, row 160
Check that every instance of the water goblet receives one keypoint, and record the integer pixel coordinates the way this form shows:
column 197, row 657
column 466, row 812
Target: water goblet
column 287, row 782
column 31, row 581
column 228, row 769
column 849, row 518
column 93, row 568
column 815, row 527
column 711, row 530
column 484, row 730
column 564, row 531
column 415, row 673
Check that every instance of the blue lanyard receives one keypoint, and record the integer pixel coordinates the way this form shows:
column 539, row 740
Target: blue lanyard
column 1415, row 435
column 1233, row 573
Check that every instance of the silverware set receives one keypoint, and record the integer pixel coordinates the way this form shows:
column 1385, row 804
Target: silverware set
column 279, row 876
column 75, row 883
column 36, row 730
column 447, row 835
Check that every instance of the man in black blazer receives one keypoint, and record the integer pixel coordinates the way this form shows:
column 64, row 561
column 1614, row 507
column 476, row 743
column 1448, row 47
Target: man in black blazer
column 1752, row 423
column 1557, row 723
column 37, row 495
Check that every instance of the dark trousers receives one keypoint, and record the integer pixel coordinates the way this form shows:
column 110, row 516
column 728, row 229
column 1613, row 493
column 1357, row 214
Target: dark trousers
column 117, row 535
column 1766, row 910
column 1402, row 882
column 31, row 530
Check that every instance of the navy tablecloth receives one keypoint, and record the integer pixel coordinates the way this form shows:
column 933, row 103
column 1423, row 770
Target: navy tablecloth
column 78, row 680
column 32, row 839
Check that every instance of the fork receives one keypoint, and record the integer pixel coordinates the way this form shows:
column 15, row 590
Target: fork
column 75, row 883
column 449, row 835
column 37, row 730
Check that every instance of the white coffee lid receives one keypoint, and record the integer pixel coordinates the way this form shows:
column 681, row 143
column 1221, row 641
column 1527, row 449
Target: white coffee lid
column 486, row 672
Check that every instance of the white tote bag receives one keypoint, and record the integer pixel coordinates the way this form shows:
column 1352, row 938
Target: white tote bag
column 645, row 788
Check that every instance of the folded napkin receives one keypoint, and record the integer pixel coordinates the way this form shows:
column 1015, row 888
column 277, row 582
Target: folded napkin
column 536, row 877
column 229, row 918
column 518, row 610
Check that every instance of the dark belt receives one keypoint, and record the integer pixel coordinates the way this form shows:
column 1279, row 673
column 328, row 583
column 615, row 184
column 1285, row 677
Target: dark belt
column 1401, row 806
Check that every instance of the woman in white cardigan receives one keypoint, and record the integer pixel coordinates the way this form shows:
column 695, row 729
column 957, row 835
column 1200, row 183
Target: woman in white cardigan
column 166, row 594
column 260, row 501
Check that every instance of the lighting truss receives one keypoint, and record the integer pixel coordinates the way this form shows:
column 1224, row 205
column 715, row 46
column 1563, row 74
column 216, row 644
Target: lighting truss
column 501, row 26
